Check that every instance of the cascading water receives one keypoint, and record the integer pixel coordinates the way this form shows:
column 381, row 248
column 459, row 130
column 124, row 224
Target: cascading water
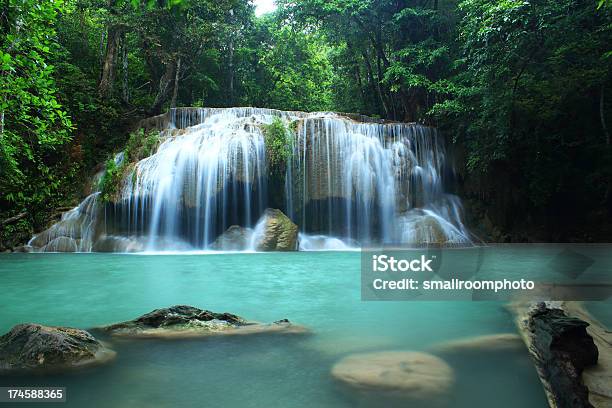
column 198, row 183
column 73, row 233
column 360, row 181
column 347, row 182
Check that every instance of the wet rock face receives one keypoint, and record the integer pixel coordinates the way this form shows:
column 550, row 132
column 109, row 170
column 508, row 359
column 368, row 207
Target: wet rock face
column 34, row 347
column 278, row 232
column 187, row 321
column 109, row 243
column 75, row 232
column 563, row 348
column 177, row 315
column 61, row 244
column 235, row 238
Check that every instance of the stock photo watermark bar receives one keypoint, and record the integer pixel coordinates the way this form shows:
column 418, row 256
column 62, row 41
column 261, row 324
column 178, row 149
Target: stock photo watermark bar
column 435, row 273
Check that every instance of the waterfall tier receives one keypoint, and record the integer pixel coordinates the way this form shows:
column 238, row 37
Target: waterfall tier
column 346, row 181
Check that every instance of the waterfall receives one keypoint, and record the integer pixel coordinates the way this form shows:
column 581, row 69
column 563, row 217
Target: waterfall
column 348, row 181
column 371, row 182
column 73, row 233
column 198, row 182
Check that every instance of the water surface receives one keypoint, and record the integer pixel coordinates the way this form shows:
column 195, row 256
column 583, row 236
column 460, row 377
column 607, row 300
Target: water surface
column 320, row 290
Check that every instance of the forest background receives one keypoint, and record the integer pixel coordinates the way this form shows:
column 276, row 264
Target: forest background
column 521, row 90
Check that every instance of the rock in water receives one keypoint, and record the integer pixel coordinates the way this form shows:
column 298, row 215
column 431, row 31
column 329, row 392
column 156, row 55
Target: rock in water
column 61, row 244
column 562, row 349
column 413, row 375
column 188, row 321
column 36, row 347
column 235, row 238
column 110, row 243
column 502, row 342
column 275, row 232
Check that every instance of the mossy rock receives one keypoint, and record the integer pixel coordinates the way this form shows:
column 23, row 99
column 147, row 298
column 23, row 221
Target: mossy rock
column 276, row 232
column 187, row 321
column 34, row 347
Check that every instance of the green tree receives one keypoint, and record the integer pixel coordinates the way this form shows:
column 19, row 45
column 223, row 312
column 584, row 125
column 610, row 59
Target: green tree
column 34, row 129
column 528, row 105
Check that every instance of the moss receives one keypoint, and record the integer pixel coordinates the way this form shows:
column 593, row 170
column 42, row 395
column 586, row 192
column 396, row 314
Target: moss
column 140, row 145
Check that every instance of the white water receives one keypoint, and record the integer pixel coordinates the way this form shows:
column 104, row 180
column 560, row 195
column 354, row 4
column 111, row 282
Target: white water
column 361, row 181
column 199, row 182
column 74, row 232
column 322, row 243
column 347, row 184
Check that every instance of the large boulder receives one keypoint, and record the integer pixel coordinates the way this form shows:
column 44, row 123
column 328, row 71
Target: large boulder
column 34, row 347
column 275, row 232
column 187, row 321
column 412, row 375
column 235, row 238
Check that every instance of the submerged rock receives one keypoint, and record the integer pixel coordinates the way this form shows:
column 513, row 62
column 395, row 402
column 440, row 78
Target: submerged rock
column 36, row 347
column 487, row 343
column 235, row 238
column 275, row 232
column 187, row 321
column 412, row 375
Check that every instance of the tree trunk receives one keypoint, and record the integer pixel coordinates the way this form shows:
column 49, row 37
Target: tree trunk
column 101, row 48
column 375, row 84
column 13, row 219
column 231, row 71
column 124, row 67
column 164, row 87
column 113, row 42
column 176, row 83
column 602, row 116
column 359, row 83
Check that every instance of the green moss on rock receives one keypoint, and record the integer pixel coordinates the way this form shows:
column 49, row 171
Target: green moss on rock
column 279, row 233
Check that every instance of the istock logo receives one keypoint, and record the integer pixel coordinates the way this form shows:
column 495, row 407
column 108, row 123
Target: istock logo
column 384, row 263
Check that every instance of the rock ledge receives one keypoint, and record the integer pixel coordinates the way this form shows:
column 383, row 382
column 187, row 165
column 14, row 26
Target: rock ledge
column 187, row 321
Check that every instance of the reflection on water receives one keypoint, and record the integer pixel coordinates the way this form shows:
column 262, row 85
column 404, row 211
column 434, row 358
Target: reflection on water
column 319, row 290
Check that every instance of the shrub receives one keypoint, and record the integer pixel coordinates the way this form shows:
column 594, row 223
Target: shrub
column 111, row 179
column 278, row 145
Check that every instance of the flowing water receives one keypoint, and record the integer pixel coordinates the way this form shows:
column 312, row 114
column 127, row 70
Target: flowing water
column 354, row 181
column 320, row 290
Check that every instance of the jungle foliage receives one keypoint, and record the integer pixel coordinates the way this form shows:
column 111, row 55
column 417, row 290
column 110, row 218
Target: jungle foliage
column 521, row 88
